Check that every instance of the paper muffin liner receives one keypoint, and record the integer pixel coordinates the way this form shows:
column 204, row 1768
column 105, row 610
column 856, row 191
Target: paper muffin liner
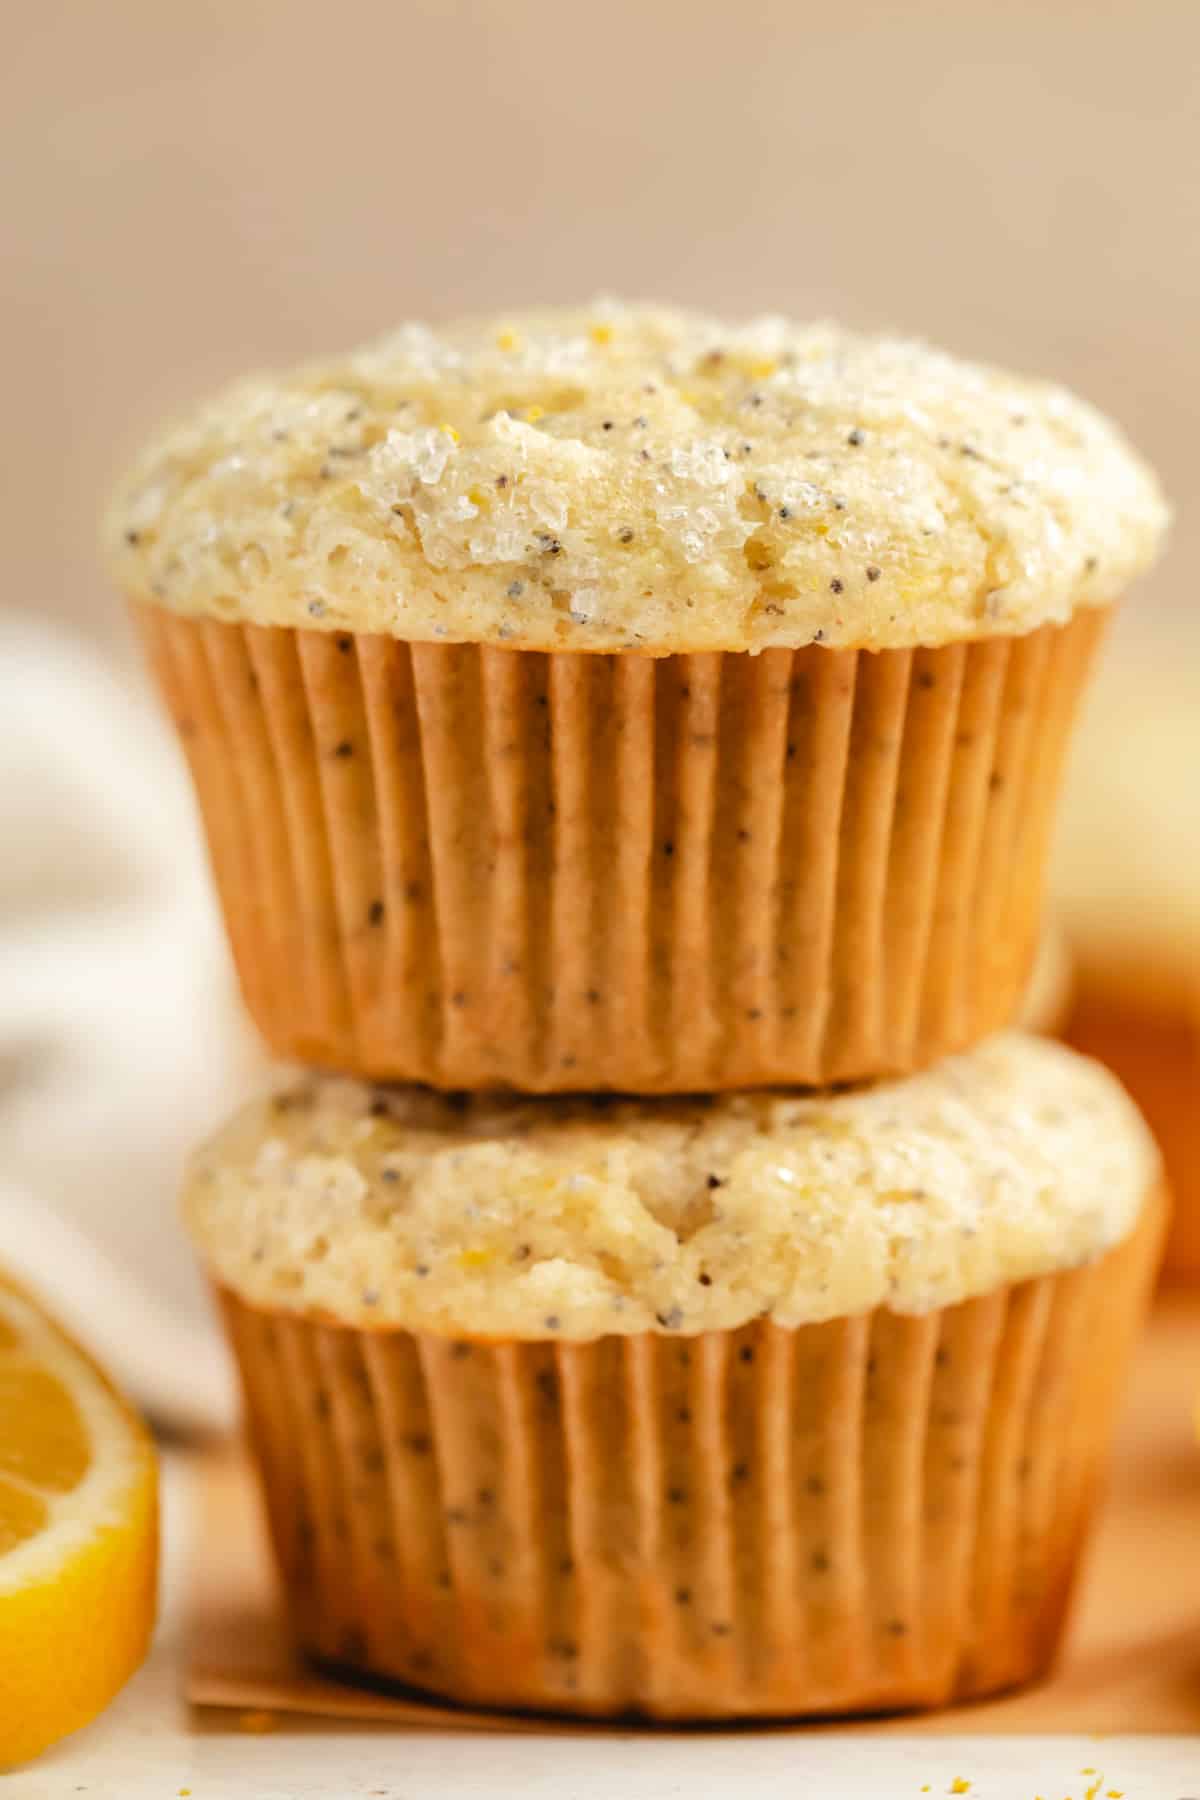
column 874, row 1513
column 479, row 867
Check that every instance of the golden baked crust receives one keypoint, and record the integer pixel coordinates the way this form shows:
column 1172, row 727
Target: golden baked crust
column 638, row 478
column 573, row 1219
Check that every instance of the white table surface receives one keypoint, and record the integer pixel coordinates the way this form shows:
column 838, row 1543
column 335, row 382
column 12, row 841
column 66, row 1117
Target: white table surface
column 147, row 1747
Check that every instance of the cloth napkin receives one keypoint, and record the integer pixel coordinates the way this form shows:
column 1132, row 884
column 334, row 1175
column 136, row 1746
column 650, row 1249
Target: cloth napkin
column 121, row 1038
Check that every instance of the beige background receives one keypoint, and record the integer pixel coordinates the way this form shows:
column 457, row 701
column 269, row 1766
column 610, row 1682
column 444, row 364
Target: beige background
column 190, row 188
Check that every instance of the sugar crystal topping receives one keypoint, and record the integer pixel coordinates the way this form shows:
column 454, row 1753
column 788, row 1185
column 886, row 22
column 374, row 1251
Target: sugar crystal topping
column 639, row 478
column 492, row 1215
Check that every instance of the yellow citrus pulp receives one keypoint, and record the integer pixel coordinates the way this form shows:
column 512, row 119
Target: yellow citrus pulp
column 78, row 1534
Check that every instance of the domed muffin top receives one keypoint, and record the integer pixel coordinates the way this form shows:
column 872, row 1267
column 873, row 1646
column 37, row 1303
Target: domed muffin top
column 557, row 1218
column 636, row 478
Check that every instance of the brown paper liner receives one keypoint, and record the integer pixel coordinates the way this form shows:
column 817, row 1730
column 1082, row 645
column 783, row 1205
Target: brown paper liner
column 1156, row 1054
column 480, row 867
column 869, row 1514
column 1129, row 1663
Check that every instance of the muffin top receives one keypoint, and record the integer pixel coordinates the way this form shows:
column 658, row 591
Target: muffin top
column 635, row 478
column 575, row 1218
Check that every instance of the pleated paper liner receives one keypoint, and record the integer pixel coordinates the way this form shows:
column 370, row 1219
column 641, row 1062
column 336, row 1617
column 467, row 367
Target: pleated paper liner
column 875, row 1513
column 480, row 867
column 1131, row 1662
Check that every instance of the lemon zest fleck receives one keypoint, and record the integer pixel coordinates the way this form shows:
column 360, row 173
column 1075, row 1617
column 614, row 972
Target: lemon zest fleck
column 601, row 334
column 450, row 433
column 508, row 340
column 534, row 413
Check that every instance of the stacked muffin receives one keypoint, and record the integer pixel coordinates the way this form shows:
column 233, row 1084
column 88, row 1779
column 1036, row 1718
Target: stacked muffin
column 625, row 703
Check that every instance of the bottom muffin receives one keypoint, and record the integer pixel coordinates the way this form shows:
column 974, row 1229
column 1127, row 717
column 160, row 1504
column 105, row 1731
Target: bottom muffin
column 762, row 1406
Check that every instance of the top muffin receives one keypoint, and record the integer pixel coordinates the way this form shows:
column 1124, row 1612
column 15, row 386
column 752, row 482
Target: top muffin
column 637, row 478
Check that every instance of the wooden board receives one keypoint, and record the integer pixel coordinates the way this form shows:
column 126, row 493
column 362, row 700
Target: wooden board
column 1132, row 1662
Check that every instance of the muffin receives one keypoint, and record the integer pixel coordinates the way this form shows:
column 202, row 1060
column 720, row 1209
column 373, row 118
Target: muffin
column 1126, row 877
column 759, row 1405
column 628, row 700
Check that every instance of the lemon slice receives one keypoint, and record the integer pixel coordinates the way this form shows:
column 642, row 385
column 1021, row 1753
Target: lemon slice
column 78, row 1534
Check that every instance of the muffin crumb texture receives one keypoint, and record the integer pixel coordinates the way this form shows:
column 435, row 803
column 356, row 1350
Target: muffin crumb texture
column 573, row 1219
column 639, row 478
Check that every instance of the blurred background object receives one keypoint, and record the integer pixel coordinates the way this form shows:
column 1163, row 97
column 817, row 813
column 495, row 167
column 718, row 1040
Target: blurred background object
column 1127, row 889
column 193, row 189
column 121, row 1039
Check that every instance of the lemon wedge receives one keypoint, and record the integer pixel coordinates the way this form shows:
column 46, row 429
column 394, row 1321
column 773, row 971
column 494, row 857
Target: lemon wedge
column 78, row 1534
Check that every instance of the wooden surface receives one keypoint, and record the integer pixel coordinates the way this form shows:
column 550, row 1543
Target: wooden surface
column 1132, row 1662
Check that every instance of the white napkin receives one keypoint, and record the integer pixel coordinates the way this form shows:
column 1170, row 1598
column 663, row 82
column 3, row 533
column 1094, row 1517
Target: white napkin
column 121, row 1040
